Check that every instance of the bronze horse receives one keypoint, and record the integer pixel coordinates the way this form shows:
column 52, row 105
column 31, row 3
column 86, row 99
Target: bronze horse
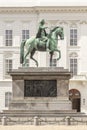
column 35, row 44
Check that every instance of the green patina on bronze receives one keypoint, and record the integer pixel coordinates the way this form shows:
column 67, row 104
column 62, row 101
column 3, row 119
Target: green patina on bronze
column 42, row 42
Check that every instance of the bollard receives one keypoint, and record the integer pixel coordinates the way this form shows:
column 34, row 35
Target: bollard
column 68, row 120
column 4, row 120
column 36, row 120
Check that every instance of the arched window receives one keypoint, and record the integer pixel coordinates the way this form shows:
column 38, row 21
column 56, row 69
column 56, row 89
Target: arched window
column 8, row 97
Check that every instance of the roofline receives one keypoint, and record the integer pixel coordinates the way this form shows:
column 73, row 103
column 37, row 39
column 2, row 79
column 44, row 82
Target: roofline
column 70, row 6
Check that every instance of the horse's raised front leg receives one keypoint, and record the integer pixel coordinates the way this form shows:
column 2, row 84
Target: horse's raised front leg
column 59, row 53
column 31, row 56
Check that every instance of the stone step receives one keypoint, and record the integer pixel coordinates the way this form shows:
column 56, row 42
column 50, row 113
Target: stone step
column 40, row 111
column 33, row 113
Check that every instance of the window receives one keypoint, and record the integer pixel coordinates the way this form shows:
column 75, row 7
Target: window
column 8, row 66
column 54, row 62
column 73, row 37
column 8, row 97
column 73, row 65
column 25, row 34
column 8, row 37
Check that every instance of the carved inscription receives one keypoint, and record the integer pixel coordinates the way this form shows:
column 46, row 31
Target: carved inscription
column 40, row 88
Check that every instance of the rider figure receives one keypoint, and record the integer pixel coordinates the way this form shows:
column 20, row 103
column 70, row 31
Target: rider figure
column 41, row 34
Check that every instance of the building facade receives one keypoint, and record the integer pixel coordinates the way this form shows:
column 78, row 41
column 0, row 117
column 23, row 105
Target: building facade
column 19, row 23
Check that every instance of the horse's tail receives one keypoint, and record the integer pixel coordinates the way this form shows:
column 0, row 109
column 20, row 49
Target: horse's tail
column 22, row 51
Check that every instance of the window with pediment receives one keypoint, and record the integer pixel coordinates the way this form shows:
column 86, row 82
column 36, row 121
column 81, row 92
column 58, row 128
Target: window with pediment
column 73, row 63
column 8, row 64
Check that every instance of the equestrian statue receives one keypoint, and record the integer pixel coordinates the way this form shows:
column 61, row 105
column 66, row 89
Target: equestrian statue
column 42, row 42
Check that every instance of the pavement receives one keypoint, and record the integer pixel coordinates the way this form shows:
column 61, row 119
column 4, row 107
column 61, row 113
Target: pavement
column 46, row 127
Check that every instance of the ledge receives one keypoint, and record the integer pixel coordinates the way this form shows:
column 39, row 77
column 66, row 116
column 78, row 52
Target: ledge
column 40, row 71
column 39, row 9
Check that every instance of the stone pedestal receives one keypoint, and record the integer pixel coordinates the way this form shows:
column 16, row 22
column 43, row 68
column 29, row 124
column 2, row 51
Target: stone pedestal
column 40, row 89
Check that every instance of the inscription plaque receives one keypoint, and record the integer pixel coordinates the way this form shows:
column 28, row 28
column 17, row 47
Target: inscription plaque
column 40, row 88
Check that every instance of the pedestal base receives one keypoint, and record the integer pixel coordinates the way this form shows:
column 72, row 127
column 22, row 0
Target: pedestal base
column 40, row 105
column 40, row 89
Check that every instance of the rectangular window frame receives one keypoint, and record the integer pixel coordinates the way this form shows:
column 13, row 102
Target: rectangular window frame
column 25, row 34
column 74, row 65
column 8, row 97
column 8, row 37
column 73, row 37
column 8, row 67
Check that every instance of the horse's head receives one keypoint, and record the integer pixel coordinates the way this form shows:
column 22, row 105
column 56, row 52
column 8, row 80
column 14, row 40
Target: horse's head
column 60, row 32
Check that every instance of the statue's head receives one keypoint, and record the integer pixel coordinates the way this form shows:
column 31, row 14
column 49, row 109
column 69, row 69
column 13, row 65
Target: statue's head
column 42, row 21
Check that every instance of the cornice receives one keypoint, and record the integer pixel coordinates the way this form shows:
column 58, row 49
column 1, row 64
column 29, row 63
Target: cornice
column 14, row 10
column 73, row 48
column 12, row 47
column 51, row 9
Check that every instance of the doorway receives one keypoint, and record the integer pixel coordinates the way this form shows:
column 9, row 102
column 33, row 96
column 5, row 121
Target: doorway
column 75, row 97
